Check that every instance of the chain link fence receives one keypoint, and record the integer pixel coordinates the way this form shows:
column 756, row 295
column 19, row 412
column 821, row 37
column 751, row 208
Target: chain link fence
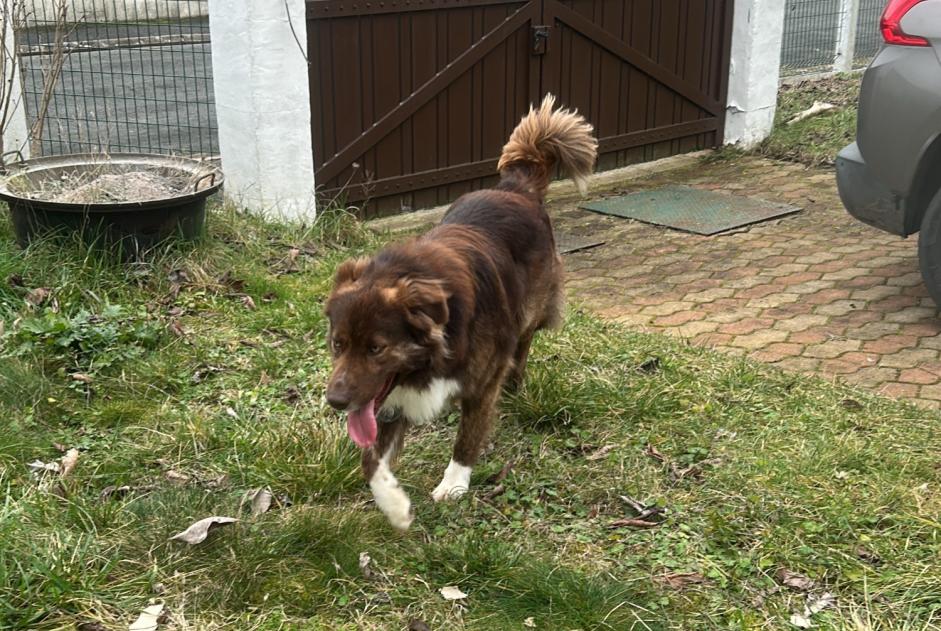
column 813, row 33
column 133, row 76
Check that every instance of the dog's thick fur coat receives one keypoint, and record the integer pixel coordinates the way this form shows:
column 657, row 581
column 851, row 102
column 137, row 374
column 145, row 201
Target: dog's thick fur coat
column 452, row 313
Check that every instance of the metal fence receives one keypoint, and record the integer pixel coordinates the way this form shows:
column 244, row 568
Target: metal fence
column 816, row 30
column 135, row 76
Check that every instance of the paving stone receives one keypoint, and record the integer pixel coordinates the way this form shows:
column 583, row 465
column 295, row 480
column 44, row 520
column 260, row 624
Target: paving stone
column 908, row 358
column 911, row 315
column 666, row 308
column 838, row 307
column 873, row 377
column 800, row 364
column 800, row 322
column 691, row 330
column 918, row 376
column 874, row 293
column 832, row 348
column 817, row 292
column 900, row 390
column 778, row 351
column 774, row 300
column 759, row 339
column 676, row 319
column 890, row 344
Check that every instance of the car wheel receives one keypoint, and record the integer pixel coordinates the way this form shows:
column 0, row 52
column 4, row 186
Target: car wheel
column 929, row 249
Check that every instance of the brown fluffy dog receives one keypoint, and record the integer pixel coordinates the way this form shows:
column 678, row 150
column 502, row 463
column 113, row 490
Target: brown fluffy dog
column 452, row 313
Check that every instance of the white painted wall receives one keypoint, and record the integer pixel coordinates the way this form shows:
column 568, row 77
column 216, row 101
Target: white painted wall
column 757, row 34
column 16, row 130
column 263, row 105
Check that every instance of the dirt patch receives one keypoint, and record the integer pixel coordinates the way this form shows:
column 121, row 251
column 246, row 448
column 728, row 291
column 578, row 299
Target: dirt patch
column 134, row 186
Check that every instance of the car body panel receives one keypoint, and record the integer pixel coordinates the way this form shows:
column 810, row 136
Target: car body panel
column 883, row 177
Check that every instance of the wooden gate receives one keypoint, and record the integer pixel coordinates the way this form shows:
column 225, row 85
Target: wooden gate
column 412, row 100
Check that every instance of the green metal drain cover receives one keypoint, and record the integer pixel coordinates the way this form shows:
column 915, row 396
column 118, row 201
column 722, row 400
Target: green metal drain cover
column 691, row 209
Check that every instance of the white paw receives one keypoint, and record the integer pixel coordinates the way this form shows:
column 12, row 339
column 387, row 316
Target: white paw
column 390, row 498
column 454, row 484
column 402, row 517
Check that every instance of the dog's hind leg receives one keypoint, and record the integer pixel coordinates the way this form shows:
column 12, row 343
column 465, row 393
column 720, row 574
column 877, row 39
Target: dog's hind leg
column 377, row 468
column 477, row 416
column 515, row 379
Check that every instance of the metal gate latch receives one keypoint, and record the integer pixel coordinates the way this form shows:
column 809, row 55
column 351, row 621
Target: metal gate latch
column 540, row 40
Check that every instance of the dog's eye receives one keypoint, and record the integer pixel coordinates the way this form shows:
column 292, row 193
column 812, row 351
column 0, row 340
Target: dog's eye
column 375, row 349
column 336, row 346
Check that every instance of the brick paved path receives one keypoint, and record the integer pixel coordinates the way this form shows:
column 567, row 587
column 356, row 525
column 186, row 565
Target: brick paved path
column 814, row 292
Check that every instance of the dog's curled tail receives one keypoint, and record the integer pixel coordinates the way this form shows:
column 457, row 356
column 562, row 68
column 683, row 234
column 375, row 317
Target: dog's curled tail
column 543, row 139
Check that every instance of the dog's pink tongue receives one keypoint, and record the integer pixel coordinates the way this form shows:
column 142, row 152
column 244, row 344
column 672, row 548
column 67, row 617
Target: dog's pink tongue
column 361, row 425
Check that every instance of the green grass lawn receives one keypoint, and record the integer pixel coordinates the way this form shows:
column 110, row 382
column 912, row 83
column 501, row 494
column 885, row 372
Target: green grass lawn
column 814, row 141
column 192, row 379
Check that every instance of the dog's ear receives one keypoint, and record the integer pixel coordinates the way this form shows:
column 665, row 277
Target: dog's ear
column 425, row 302
column 349, row 272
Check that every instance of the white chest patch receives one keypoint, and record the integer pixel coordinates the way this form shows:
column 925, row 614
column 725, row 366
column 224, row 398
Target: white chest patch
column 422, row 406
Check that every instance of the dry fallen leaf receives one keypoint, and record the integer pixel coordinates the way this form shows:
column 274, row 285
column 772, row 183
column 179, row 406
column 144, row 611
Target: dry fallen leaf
column 452, row 593
column 81, row 377
column 678, row 581
column 148, row 619
column 868, row 556
column 632, row 523
column 198, row 532
column 529, row 622
column 655, row 454
column 38, row 296
column 500, row 475
column 364, row 561
column 601, row 453
column 248, row 302
column 261, row 501
column 794, row 580
column 175, row 476
column 801, row 621
column 69, row 460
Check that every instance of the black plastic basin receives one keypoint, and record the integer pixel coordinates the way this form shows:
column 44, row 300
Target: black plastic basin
column 131, row 225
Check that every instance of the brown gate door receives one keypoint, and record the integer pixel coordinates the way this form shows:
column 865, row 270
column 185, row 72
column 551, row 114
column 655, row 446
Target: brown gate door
column 412, row 100
column 650, row 74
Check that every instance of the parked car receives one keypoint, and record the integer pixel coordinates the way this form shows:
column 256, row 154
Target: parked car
column 890, row 177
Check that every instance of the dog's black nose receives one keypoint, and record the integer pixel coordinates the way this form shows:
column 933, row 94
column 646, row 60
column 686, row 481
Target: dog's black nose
column 337, row 399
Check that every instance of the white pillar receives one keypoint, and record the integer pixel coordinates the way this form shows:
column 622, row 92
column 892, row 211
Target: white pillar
column 263, row 104
column 16, row 128
column 846, row 37
column 755, row 68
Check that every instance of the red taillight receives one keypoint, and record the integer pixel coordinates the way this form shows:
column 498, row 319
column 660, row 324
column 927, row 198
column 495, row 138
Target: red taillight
column 891, row 24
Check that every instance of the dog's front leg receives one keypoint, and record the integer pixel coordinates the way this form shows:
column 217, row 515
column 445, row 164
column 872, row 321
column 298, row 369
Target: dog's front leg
column 377, row 468
column 477, row 415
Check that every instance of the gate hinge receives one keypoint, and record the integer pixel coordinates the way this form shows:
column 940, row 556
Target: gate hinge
column 540, row 39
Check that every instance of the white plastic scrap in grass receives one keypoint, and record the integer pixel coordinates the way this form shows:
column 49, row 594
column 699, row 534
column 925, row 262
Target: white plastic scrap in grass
column 63, row 468
column 815, row 604
column 452, row 593
column 814, row 110
column 148, row 619
column 198, row 532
